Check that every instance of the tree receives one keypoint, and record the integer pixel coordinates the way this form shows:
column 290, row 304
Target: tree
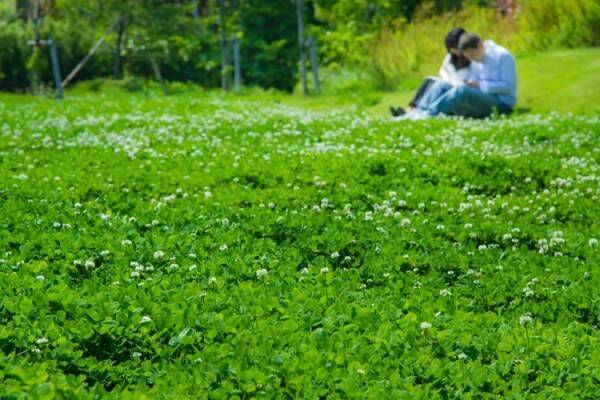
column 270, row 43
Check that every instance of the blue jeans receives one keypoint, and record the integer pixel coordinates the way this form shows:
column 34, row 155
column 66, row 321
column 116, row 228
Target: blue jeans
column 463, row 100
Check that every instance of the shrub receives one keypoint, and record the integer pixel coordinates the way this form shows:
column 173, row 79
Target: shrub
column 13, row 55
column 547, row 24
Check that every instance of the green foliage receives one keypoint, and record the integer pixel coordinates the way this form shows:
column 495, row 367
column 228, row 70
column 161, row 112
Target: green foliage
column 206, row 247
column 269, row 50
column 13, row 54
column 548, row 24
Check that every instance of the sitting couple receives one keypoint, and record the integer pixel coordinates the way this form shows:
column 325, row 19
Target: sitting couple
column 476, row 79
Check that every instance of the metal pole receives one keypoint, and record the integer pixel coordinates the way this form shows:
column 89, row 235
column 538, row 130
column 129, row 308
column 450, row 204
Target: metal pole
column 236, row 62
column 55, row 69
column 314, row 63
column 37, row 19
column 299, row 16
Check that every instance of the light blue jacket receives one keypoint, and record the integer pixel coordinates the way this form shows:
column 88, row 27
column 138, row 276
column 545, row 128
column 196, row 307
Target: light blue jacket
column 497, row 73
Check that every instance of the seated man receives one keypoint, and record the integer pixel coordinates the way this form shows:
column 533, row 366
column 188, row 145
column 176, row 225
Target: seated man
column 493, row 83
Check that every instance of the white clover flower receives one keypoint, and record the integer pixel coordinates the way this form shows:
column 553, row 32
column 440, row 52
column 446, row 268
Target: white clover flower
column 104, row 253
column 324, row 270
column 192, row 267
column 207, row 194
column 136, row 354
column 304, row 271
column 425, row 325
column 368, row 216
column 360, row 371
column 587, row 276
column 593, row 242
column 445, row 293
column 90, row 264
column 223, row 247
column 76, row 262
column 77, row 205
column 468, row 226
column 159, row 254
column 57, row 224
column 334, row 255
column 525, row 319
column 104, row 217
column 126, row 242
column 347, row 259
column 261, row 272
column 462, row 356
column 145, row 319
column 440, row 227
column 41, row 340
column 212, row 280
column 40, row 278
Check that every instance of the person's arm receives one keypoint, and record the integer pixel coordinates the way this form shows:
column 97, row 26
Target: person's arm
column 444, row 70
column 508, row 77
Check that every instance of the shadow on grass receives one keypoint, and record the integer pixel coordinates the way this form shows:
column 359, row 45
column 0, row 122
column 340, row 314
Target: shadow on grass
column 522, row 110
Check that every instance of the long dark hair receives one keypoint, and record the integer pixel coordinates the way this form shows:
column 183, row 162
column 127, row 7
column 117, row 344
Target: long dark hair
column 451, row 42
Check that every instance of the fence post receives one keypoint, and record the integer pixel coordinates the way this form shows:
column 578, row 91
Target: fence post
column 55, row 68
column 314, row 64
column 237, row 64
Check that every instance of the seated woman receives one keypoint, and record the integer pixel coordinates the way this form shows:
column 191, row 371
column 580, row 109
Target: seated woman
column 456, row 69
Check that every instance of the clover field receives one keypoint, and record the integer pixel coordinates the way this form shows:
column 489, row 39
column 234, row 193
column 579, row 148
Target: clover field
column 213, row 248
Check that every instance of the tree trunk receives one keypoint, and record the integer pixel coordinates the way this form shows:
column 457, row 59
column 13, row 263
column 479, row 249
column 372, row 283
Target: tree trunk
column 223, row 45
column 22, row 7
column 118, row 48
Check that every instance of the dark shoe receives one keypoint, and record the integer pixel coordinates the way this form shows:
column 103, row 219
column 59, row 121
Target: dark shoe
column 397, row 111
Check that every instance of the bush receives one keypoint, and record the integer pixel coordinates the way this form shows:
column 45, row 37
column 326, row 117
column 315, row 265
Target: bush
column 545, row 24
column 14, row 53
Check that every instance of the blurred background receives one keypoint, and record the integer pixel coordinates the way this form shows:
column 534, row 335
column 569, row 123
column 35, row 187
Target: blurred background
column 362, row 46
